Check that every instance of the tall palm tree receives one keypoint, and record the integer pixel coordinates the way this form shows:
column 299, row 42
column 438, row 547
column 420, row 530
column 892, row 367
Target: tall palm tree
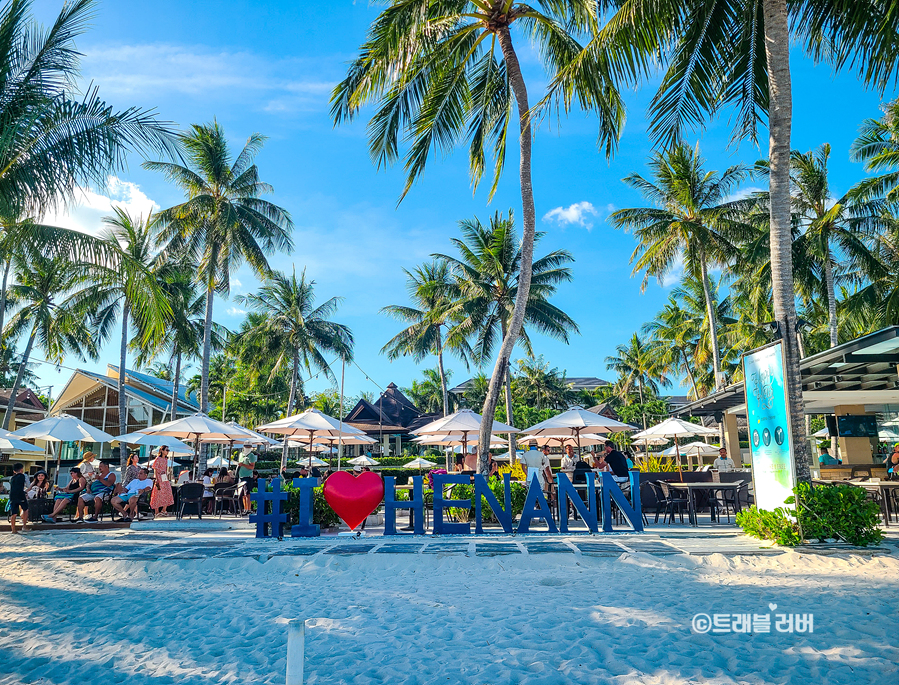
column 539, row 385
column 224, row 220
column 732, row 53
column 877, row 145
column 432, row 290
column 428, row 394
column 126, row 287
column 487, row 275
column 303, row 329
column 638, row 369
column 844, row 224
column 692, row 220
column 432, row 67
column 676, row 335
column 45, row 295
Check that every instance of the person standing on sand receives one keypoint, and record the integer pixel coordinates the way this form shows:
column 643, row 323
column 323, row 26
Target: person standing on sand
column 18, row 501
column 162, row 497
column 245, row 466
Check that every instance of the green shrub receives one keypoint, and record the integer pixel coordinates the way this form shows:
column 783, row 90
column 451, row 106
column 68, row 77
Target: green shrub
column 837, row 511
column 322, row 513
column 774, row 525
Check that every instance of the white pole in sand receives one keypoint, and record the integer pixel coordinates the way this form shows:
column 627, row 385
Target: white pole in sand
column 296, row 646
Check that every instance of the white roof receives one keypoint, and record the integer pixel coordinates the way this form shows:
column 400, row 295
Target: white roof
column 196, row 427
column 311, row 421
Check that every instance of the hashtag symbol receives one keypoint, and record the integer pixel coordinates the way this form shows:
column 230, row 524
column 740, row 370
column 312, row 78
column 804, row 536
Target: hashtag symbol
column 269, row 519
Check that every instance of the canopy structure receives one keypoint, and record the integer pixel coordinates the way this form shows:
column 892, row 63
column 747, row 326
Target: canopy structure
column 675, row 429
column 577, row 420
column 198, row 428
column 312, row 424
column 364, row 461
column 9, row 443
column 464, row 423
column 61, row 428
column 419, row 463
column 176, row 447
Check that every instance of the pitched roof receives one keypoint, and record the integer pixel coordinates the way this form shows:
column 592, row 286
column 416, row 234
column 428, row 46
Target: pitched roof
column 25, row 399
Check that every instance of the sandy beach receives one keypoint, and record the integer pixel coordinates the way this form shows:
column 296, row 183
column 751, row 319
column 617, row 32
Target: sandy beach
column 444, row 617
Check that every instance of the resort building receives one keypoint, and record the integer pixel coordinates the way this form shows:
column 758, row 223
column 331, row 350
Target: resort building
column 94, row 398
column 390, row 420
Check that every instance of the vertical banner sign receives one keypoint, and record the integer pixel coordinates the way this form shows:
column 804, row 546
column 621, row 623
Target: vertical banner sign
column 770, row 439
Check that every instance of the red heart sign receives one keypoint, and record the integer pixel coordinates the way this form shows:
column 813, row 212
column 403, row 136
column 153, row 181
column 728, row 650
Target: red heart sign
column 354, row 498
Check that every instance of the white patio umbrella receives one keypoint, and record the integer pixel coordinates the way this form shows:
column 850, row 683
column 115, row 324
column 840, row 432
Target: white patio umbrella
column 176, row 447
column 62, row 428
column 586, row 439
column 577, row 420
column 9, row 443
column 456, row 440
column 313, row 424
column 346, row 440
column 821, row 433
column 673, row 428
column 419, row 463
column 364, row 461
column 695, row 449
column 198, row 428
column 465, row 423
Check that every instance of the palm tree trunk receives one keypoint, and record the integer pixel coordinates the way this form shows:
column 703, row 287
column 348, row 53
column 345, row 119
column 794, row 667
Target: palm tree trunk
column 291, row 399
column 831, row 298
column 690, row 375
column 6, row 268
column 780, row 113
column 15, row 388
column 713, row 322
column 207, row 345
column 175, row 384
column 529, row 220
column 123, row 359
column 509, row 415
column 442, row 373
column 642, row 408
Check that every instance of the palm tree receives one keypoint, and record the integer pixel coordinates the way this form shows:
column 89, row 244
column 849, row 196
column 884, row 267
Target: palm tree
column 540, row 386
column 877, row 145
column 432, row 291
column 44, row 294
column 638, row 369
column 691, row 220
column 429, row 393
column 127, row 287
column 303, row 330
column 53, row 139
column 844, row 223
column 718, row 54
column 487, row 276
column 676, row 334
column 432, row 67
column 224, row 220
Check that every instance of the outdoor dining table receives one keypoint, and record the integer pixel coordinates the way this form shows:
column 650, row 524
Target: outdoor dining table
column 887, row 490
column 692, row 488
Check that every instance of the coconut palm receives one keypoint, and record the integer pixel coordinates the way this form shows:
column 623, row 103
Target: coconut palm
column 432, row 290
column 224, row 221
column 487, row 275
column 827, row 224
column 126, row 288
column 676, row 334
column 638, row 369
column 302, row 329
column 45, row 295
column 539, row 385
column 877, row 145
column 717, row 54
column 429, row 393
column 692, row 220
column 446, row 71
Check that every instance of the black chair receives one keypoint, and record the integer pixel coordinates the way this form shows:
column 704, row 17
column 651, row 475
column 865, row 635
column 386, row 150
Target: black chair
column 225, row 493
column 861, row 471
column 726, row 500
column 676, row 502
column 661, row 500
column 191, row 493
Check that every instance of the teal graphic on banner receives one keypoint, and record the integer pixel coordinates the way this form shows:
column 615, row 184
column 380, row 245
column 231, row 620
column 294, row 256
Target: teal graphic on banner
column 769, row 426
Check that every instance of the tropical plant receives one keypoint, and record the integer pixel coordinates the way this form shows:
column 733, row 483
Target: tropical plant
column 736, row 54
column 433, row 291
column 638, row 369
column 44, row 294
column 224, row 220
column 126, row 286
column 692, row 220
column 432, row 67
column 540, row 386
column 487, row 275
column 877, row 145
column 429, row 395
column 302, row 329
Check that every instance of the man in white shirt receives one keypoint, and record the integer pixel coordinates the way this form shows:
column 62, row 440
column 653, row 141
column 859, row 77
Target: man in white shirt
column 126, row 501
column 537, row 463
column 723, row 462
column 569, row 461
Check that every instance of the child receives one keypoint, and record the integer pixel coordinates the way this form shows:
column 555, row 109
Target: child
column 18, row 501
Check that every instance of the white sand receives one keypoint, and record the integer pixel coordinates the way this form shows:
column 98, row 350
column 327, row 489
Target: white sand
column 447, row 619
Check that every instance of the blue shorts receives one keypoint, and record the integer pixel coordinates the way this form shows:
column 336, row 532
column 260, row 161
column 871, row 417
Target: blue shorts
column 125, row 496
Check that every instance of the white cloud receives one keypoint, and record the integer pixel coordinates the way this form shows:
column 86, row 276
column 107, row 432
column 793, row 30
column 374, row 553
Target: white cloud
column 234, row 311
column 576, row 214
column 743, row 193
column 148, row 72
column 86, row 214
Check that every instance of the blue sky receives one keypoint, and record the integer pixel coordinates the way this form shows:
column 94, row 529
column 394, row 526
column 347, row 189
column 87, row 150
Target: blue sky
column 269, row 68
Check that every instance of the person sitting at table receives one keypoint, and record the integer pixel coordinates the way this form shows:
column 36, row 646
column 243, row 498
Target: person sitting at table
column 471, row 460
column 600, row 464
column 208, row 494
column 126, row 502
column 617, row 463
column 723, row 462
column 39, row 487
column 224, row 477
column 460, row 464
column 825, row 459
column 65, row 496
column 568, row 461
column 100, row 487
